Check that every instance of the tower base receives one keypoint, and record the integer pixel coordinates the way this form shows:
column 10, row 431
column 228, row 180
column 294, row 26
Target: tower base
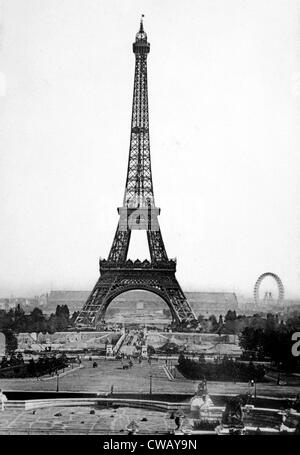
column 157, row 278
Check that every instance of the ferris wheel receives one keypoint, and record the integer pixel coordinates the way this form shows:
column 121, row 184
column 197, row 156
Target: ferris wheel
column 279, row 285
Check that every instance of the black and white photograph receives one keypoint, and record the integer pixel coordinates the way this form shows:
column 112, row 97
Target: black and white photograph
column 149, row 221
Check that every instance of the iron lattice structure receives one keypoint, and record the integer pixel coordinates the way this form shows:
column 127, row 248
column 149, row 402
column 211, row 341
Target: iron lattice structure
column 117, row 273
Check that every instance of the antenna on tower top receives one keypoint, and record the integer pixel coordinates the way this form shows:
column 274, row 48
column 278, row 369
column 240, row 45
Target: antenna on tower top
column 141, row 25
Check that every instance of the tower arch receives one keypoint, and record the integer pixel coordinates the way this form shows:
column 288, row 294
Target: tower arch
column 112, row 299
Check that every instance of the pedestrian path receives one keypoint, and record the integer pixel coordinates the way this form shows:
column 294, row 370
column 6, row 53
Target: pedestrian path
column 63, row 373
column 110, row 372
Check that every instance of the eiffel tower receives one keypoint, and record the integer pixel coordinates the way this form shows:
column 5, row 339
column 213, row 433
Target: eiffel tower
column 119, row 274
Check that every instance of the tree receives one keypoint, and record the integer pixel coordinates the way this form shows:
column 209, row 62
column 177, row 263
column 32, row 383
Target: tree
column 252, row 339
column 181, row 359
column 52, row 323
column 20, row 358
column 19, row 319
column 37, row 322
column 13, row 360
column 4, row 362
column 62, row 310
column 213, row 324
column 275, row 344
column 31, row 368
column 62, row 317
column 6, row 320
column 271, row 322
column 11, row 341
column 293, row 323
column 233, row 326
column 230, row 316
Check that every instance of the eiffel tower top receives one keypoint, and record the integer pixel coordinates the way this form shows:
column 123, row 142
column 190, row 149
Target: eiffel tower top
column 141, row 45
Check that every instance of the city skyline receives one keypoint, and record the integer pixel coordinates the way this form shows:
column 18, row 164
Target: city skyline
column 224, row 112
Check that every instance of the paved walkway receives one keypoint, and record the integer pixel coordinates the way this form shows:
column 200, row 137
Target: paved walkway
column 79, row 420
column 63, row 373
column 137, row 380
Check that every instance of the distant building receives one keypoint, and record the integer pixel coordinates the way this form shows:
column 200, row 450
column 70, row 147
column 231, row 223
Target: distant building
column 135, row 302
column 208, row 303
column 4, row 304
column 73, row 299
column 205, row 303
column 292, row 308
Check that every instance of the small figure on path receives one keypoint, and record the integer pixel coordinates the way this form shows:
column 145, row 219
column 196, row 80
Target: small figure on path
column 202, row 388
column 3, row 399
column 178, row 421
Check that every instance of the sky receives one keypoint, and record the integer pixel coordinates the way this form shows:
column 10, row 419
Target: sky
column 224, row 103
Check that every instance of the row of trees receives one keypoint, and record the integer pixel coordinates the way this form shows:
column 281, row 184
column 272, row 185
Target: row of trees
column 260, row 337
column 14, row 366
column 16, row 321
column 36, row 321
column 12, row 361
column 47, row 365
column 224, row 370
column 274, row 344
column 235, row 324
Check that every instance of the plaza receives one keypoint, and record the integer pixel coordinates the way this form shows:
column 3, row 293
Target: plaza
column 83, row 420
column 137, row 380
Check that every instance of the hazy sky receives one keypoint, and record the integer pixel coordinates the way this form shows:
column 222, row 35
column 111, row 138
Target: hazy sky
column 224, row 96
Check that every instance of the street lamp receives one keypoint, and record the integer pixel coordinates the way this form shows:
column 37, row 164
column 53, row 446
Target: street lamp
column 252, row 383
column 57, row 382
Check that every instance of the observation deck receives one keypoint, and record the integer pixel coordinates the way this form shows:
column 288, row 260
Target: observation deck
column 145, row 265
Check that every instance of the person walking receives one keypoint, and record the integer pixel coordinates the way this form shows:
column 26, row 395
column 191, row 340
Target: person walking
column 177, row 421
